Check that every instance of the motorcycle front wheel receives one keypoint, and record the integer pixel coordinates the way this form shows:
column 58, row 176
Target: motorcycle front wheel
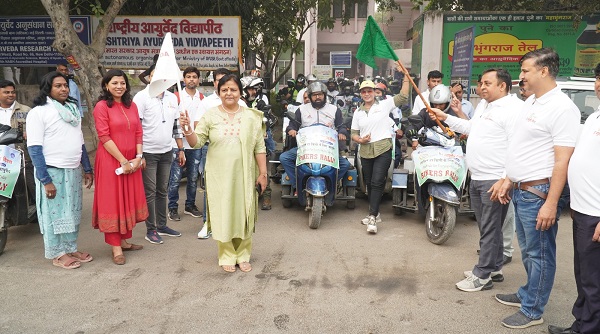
column 440, row 228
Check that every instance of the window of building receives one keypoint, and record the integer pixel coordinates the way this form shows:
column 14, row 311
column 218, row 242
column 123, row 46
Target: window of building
column 338, row 6
column 362, row 9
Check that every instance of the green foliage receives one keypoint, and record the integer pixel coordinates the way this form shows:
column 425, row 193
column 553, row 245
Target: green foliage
column 95, row 7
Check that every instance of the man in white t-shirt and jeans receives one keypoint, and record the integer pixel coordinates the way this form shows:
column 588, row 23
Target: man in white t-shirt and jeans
column 189, row 101
column 160, row 124
column 536, row 171
column 584, row 183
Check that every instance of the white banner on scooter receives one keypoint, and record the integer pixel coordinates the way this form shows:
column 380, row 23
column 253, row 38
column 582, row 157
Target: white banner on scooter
column 10, row 167
column 317, row 144
column 440, row 164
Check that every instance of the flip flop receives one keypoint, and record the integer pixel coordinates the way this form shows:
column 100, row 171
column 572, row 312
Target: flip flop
column 228, row 268
column 69, row 263
column 82, row 257
column 132, row 247
column 245, row 266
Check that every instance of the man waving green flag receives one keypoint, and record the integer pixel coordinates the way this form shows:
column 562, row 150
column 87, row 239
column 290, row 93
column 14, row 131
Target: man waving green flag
column 374, row 44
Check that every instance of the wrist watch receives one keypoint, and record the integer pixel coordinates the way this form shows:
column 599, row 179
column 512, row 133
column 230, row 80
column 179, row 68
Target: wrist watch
column 181, row 149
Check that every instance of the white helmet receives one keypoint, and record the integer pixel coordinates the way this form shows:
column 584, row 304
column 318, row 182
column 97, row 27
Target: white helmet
column 440, row 94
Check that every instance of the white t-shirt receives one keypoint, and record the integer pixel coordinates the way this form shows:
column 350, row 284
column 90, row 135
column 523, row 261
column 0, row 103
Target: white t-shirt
column 61, row 142
column 300, row 96
column 548, row 121
column 583, row 169
column 418, row 105
column 6, row 114
column 376, row 122
column 191, row 104
column 489, row 131
column 158, row 116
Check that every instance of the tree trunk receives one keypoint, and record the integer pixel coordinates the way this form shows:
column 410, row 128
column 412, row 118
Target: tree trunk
column 87, row 56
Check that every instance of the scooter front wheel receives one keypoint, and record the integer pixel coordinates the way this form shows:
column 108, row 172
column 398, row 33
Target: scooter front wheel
column 440, row 227
column 316, row 212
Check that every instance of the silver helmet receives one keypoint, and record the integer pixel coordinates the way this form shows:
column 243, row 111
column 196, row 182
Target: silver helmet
column 317, row 87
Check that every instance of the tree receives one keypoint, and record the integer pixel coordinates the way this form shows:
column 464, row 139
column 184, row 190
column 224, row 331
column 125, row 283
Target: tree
column 67, row 43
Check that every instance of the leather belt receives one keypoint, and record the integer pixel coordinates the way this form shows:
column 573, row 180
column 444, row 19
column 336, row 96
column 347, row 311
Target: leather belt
column 528, row 186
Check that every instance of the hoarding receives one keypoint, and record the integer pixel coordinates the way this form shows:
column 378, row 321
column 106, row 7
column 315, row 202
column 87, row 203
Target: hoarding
column 27, row 40
column 501, row 39
column 204, row 42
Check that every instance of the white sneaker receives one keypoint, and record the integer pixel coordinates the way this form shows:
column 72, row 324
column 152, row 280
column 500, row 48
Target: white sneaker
column 474, row 283
column 365, row 220
column 204, row 234
column 496, row 276
column 372, row 225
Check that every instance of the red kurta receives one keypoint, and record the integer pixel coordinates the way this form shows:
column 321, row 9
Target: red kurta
column 119, row 200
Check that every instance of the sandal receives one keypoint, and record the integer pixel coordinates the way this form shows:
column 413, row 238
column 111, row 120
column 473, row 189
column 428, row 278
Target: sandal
column 245, row 266
column 132, row 247
column 67, row 262
column 230, row 268
column 119, row 259
column 81, row 257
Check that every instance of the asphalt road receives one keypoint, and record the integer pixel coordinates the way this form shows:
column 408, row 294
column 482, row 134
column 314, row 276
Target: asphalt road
column 336, row 279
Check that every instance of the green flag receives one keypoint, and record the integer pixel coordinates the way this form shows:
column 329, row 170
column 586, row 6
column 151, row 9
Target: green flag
column 374, row 44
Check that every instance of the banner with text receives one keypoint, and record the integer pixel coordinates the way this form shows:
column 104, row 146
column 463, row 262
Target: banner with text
column 502, row 39
column 27, row 40
column 318, row 144
column 439, row 164
column 10, row 167
column 204, row 42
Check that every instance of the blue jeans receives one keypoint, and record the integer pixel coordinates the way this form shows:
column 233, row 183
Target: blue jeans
column 538, row 249
column 192, row 161
column 288, row 161
column 269, row 142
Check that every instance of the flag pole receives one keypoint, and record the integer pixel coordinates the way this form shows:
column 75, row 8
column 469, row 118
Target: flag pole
column 186, row 128
column 445, row 129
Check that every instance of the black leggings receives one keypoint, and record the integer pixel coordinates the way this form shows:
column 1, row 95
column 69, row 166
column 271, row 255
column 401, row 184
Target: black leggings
column 375, row 173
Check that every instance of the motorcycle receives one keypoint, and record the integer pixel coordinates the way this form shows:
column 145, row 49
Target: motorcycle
column 434, row 182
column 15, row 207
column 316, row 174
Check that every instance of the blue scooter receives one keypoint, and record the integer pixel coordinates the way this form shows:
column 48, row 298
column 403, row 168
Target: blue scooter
column 316, row 175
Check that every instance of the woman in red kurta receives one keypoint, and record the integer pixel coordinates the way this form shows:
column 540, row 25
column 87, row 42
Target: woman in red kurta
column 119, row 200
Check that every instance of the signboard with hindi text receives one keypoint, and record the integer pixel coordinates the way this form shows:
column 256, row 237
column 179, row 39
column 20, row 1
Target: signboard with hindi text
column 204, row 42
column 10, row 167
column 501, row 39
column 317, row 144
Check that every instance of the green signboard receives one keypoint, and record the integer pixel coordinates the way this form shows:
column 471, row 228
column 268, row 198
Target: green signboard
column 417, row 46
column 501, row 39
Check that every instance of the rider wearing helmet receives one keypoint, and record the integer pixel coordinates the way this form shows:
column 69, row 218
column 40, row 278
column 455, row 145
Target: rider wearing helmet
column 380, row 91
column 287, row 93
column 440, row 98
column 309, row 79
column 318, row 111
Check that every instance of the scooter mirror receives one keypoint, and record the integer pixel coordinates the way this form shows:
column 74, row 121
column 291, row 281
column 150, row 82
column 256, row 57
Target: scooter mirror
column 416, row 121
column 9, row 136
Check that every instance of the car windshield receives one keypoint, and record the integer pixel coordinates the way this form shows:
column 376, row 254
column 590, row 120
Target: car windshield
column 586, row 101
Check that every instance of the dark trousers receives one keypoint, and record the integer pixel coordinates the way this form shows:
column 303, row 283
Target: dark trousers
column 375, row 173
column 586, row 309
column 490, row 217
column 156, row 181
